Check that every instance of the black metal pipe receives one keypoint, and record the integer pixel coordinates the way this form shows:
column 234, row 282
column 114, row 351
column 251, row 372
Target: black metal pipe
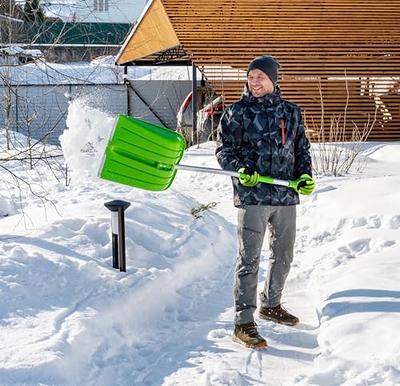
column 114, row 238
column 147, row 104
column 117, row 208
column 128, row 93
column 194, row 101
column 121, row 240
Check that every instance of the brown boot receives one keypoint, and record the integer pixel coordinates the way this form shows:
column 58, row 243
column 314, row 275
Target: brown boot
column 279, row 315
column 247, row 335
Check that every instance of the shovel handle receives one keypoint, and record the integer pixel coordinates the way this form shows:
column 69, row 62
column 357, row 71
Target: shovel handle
column 263, row 179
column 207, row 170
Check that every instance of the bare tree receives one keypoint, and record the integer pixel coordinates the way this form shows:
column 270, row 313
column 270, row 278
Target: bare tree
column 7, row 105
column 33, row 11
column 24, row 27
column 336, row 150
column 11, row 21
column 19, row 108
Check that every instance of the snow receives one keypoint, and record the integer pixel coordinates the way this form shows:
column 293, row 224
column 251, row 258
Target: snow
column 16, row 50
column 101, row 70
column 64, row 10
column 124, row 11
column 42, row 72
column 67, row 317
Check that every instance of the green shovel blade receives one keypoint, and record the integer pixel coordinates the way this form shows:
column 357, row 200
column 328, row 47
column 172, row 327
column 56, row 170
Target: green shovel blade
column 141, row 154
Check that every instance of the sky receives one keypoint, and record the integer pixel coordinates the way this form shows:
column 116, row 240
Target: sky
column 67, row 317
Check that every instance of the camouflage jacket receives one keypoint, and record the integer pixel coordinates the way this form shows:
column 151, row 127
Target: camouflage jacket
column 266, row 133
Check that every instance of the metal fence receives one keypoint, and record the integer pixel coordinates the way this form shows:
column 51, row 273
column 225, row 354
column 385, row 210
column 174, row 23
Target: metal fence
column 40, row 111
column 157, row 101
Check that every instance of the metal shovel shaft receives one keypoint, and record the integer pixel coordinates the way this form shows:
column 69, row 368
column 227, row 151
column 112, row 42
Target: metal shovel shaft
column 207, row 170
column 264, row 179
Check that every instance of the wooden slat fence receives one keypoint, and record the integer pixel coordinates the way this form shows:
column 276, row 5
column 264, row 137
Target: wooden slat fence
column 347, row 52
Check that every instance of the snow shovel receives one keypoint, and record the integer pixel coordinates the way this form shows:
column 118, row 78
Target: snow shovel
column 146, row 156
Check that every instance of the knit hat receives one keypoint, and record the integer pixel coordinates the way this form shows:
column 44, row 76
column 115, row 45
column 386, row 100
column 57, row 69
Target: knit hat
column 267, row 64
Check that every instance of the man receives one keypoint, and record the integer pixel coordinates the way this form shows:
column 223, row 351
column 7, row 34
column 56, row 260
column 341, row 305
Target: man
column 263, row 134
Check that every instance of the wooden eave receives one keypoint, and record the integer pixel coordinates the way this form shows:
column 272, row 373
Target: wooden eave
column 153, row 35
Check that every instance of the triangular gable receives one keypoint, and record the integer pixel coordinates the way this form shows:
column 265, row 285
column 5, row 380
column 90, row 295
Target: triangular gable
column 153, row 33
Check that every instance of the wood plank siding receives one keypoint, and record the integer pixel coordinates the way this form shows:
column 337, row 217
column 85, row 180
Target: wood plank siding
column 347, row 51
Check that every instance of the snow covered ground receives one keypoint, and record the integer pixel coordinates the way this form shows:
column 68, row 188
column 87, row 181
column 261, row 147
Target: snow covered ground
column 68, row 318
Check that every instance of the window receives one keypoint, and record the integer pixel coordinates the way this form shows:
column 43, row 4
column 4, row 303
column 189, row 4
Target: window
column 101, row 5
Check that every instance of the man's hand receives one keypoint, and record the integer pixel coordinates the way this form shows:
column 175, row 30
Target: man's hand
column 248, row 177
column 305, row 184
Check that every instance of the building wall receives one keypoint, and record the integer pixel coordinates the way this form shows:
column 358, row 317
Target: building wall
column 109, row 11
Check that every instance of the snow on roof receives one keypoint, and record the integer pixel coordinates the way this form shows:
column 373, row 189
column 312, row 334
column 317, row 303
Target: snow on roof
column 62, row 9
column 18, row 51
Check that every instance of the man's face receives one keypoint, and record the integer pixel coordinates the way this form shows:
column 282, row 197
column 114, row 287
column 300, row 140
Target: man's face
column 259, row 83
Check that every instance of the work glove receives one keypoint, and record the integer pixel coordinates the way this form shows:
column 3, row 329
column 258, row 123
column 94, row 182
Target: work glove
column 248, row 177
column 305, row 184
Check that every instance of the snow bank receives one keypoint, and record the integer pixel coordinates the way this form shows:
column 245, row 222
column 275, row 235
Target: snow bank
column 67, row 316
column 387, row 153
column 348, row 249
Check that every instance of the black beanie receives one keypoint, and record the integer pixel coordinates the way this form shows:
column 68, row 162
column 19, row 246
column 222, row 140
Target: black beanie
column 267, row 64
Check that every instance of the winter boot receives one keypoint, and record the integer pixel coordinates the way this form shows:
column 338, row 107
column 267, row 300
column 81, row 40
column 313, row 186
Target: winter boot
column 247, row 335
column 279, row 315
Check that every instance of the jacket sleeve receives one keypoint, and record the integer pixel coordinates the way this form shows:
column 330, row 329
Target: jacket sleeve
column 303, row 163
column 229, row 138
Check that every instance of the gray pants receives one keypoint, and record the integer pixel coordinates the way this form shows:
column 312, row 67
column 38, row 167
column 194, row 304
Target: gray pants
column 252, row 224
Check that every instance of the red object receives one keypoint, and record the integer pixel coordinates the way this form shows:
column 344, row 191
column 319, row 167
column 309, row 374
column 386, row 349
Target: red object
column 186, row 102
column 282, row 125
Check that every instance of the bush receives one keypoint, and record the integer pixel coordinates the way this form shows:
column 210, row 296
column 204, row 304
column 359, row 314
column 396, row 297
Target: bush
column 335, row 152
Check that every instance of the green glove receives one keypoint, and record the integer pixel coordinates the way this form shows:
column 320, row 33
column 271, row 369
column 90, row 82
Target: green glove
column 305, row 184
column 248, row 177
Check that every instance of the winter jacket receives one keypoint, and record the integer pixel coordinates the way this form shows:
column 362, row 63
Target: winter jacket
column 265, row 133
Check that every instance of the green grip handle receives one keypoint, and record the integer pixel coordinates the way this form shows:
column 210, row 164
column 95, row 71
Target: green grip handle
column 274, row 181
column 266, row 180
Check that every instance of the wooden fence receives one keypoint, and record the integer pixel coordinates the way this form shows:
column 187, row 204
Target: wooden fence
column 337, row 56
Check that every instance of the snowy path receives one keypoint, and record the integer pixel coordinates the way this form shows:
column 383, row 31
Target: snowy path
column 291, row 350
column 330, row 238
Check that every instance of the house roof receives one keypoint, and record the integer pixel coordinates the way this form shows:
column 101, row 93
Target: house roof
column 51, row 32
column 318, row 43
column 151, row 36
